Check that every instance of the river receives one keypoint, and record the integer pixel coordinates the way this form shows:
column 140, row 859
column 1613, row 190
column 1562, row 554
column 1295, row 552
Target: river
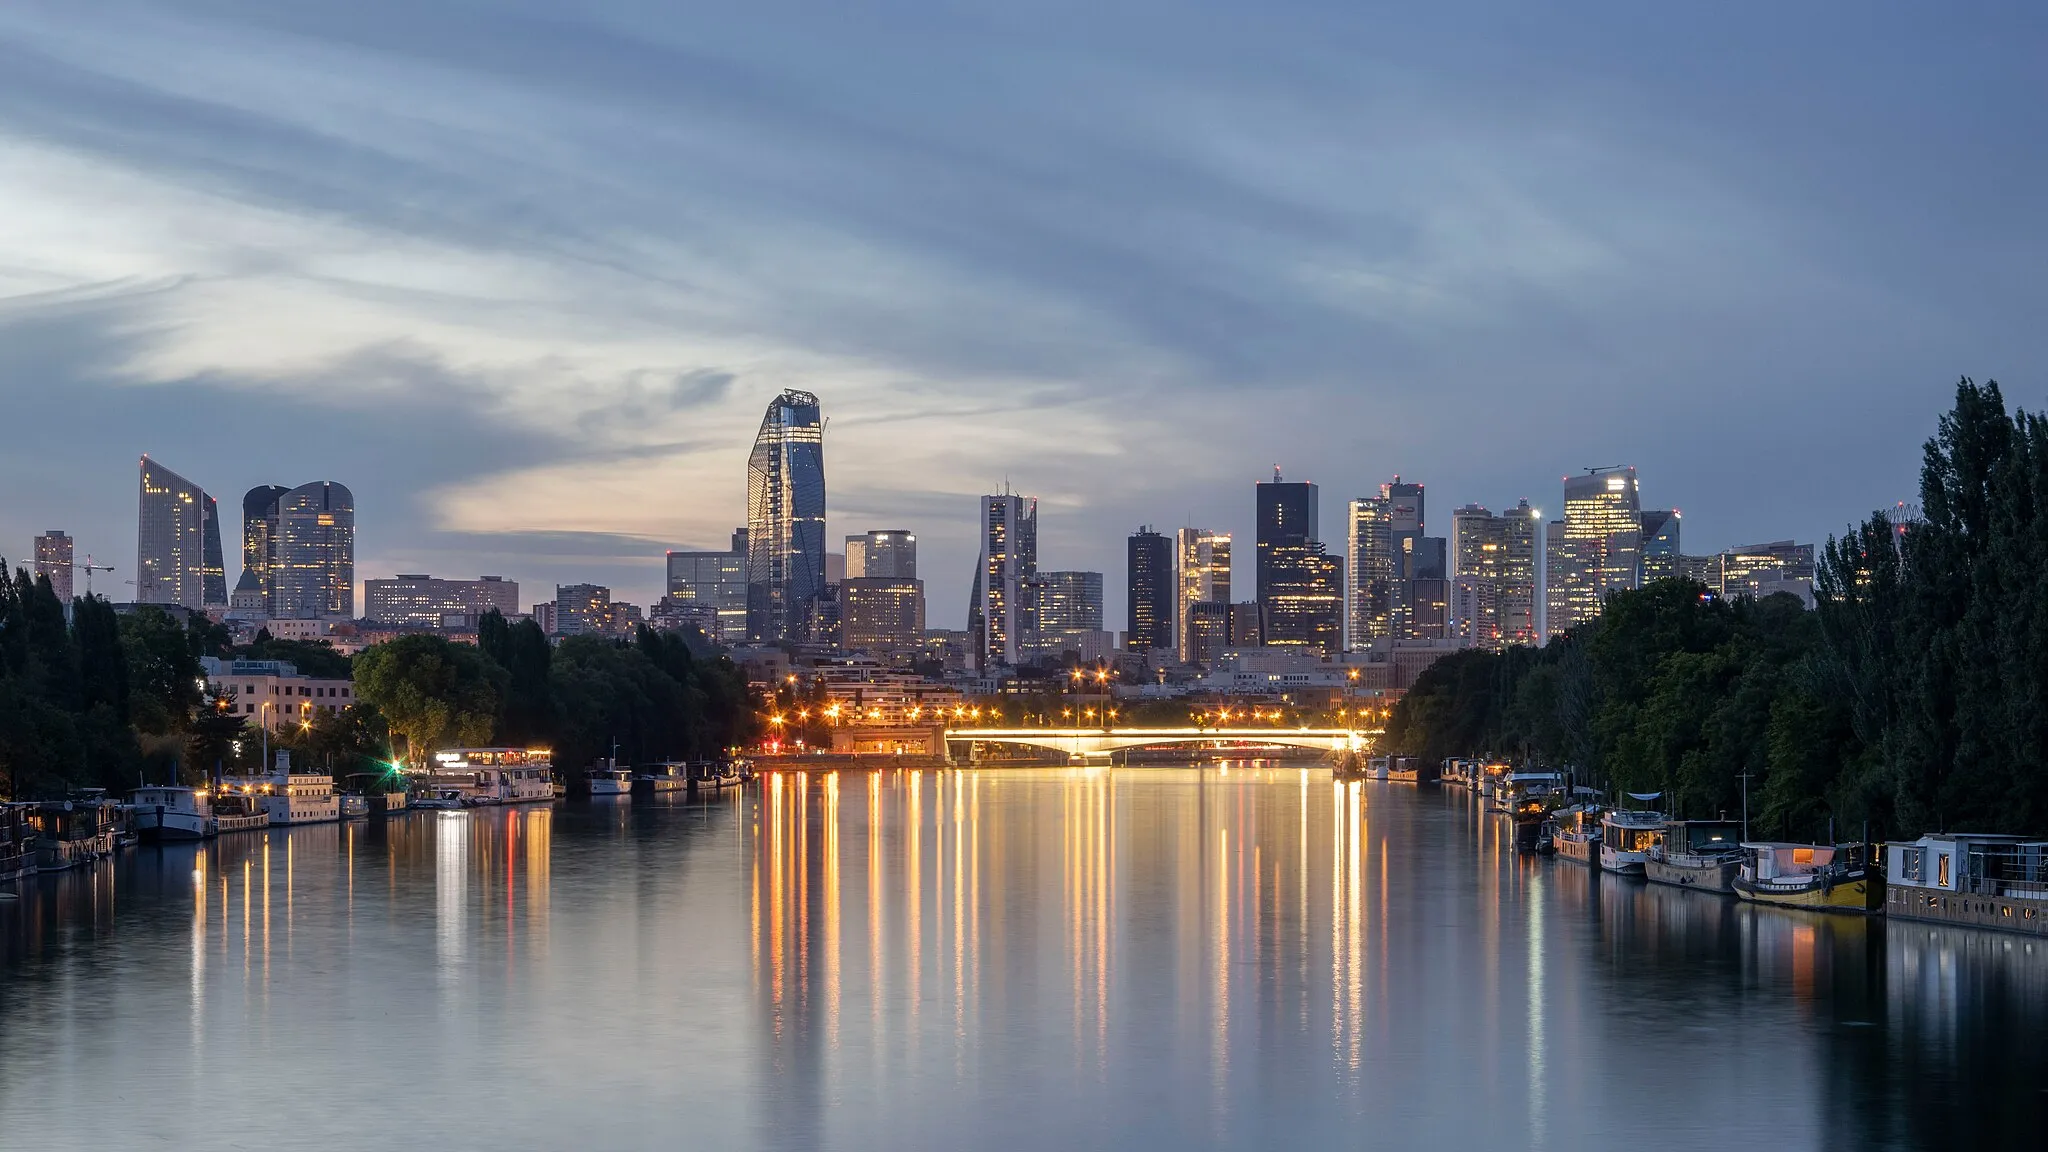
column 1135, row 958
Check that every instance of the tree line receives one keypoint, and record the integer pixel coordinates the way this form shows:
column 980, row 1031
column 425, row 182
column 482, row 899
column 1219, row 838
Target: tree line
column 1914, row 697
column 108, row 700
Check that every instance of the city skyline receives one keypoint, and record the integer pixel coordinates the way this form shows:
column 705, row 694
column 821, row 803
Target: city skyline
column 1421, row 262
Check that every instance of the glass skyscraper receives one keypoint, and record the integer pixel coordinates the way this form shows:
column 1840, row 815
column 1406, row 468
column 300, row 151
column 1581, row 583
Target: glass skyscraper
column 177, row 542
column 786, row 519
column 256, row 588
column 1300, row 586
column 1007, row 589
column 716, row 581
column 1660, row 545
column 1149, row 607
column 1203, row 578
column 314, row 569
column 1596, row 549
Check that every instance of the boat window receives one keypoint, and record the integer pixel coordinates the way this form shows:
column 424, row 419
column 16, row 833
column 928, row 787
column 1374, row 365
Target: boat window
column 1802, row 855
column 1942, row 866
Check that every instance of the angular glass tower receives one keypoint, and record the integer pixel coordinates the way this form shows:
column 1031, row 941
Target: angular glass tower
column 177, row 542
column 786, row 519
column 259, row 548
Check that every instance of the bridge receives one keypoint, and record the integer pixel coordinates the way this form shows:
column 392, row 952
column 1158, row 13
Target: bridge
column 1086, row 744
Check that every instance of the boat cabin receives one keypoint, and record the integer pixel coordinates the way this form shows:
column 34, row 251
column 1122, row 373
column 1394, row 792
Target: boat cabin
column 1701, row 838
column 1775, row 861
column 1970, row 863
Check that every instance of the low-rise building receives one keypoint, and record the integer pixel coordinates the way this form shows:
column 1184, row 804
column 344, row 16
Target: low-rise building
column 271, row 694
column 420, row 599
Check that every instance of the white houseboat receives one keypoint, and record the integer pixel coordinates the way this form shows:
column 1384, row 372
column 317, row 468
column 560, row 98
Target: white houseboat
column 170, row 812
column 1626, row 835
column 608, row 779
column 290, row 797
column 495, row 775
column 1577, row 834
column 1978, row 879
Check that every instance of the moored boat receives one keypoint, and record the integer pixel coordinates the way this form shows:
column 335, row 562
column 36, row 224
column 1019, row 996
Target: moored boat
column 1703, row 854
column 668, row 776
column 609, row 780
column 1512, row 789
column 1625, row 838
column 170, row 812
column 289, row 796
column 1576, row 834
column 17, row 842
column 236, row 812
column 714, row 775
column 75, row 832
column 1976, row 879
column 1818, row 876
column 352, row 805
column 495, row 775
column 437, row 799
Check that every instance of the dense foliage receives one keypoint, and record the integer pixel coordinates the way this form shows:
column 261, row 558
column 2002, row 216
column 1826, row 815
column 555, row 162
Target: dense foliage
column 1914, row 697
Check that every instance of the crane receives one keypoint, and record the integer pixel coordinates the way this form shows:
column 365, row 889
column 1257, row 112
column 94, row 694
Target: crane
column 89, row 568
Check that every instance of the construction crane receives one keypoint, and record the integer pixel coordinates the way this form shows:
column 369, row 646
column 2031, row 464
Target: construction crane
column 88, row 567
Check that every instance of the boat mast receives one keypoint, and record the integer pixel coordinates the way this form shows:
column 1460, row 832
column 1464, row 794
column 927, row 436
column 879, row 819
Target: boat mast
column 1745, row 805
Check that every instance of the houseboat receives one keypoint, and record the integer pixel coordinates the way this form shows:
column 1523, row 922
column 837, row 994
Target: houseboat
column 236, row 812
column 715, row 776
column 444, row 799
column 352, row 805
column 75, row 832
column 170, row 812
column 289, row 796
column 17, row 842
column 1575, row 833
column 1703, row 854
column 1409, row 770
column 1510, row 790
column 1978, row 879
column 1379, row 767
column 610, row 780
column 384, row 791
column 1626, row 835
column 1828, row 878
column 496, row 775
column 1489, row 779
column 670, row 776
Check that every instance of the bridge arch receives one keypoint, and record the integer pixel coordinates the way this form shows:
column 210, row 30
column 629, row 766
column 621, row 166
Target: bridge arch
column 1099, row 743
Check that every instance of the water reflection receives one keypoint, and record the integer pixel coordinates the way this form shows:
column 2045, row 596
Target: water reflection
column 1238, row 957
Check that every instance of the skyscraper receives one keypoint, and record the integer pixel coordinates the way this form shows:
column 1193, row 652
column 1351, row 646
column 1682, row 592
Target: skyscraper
column 716, row 581
column 889, row 554
column 53, row 559
column 177, row 542
column 1069, row 610
column 1149, row 605
column 1493, row 575
column 785, row 519
column 1006, row 582
column 1399, row 579
column 1203, row 577
column 881, row 615
column 1595, row 549
column 257, row 587
column 1300, row 586
column 1660, row 545
column 1371, row 542
column 314, row 570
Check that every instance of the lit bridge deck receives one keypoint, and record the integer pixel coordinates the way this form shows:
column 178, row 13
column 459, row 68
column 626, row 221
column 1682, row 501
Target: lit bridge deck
column 1099, row 743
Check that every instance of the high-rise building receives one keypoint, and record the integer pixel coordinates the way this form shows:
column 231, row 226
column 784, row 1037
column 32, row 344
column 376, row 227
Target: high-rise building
column 1206, row 632
column 1300, row 586
column 53, row 559
column 257, row 587
column 1399, row 578
column 1595, row 549
column 1203, row 577
column 785, row 519
column 1493, row 575
column 421, row 600
column 1149, row 605
column 884, row 553
column 582, row 609
column 1371, row 543
column 717, row 581
column 1247, row 628
column 1764, row 569
column 881, row 615
column 1006, row 582
column 1069, row 611
column 1660, row 545
column 177, row 542
column 314, row 576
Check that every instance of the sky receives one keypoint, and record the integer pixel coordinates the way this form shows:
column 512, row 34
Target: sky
column 524, row 275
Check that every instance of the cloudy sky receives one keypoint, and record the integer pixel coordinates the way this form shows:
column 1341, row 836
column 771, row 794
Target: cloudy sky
column 524, row 274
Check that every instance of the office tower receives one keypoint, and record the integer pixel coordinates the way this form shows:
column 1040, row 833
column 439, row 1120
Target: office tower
column 881, row 615
column 1006, row 585
column 256, row 588
column 716, row 581
column 1595, row 549
column 822, row 617
column 1371, row 543
column 1660, row 545
column 1149, row 606
column 583, row 609
column 1203, row 578
column 1069, row 612
column 1300, row 586
column 53, row 559
column 785, row 519
column 1764, row 569
column 1493, row 575
column 1247, row 629
column 177, row 533
column 887, row 553
column 1425, row 593
column 315, row 567
column 420, row 600
column 1206, row 632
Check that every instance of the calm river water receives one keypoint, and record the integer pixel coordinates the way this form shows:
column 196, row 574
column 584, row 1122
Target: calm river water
column 1145, row 958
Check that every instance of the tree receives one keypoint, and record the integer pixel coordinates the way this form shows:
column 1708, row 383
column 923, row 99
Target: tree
column 163, row 673
column 431, row 691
